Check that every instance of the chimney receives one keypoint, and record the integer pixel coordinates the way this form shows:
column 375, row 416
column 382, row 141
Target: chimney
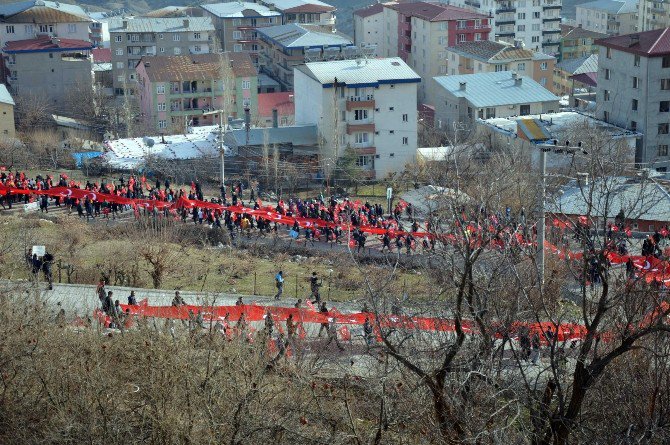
column 185, row 23
column 125, row 24
column 517, row 81
column 634, row 39
column 514, row 75
column 461, row 86
column 275, row 118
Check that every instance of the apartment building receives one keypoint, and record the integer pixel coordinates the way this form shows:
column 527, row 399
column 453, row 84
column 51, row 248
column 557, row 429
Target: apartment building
column 306, row 12
column 365, row 105
column 285, row 46
column 176, row 91
column 577, row 42
column 50, row 68
column 419, row 33
column 653, row 15
column 134, row 38
column 533, row 22
column 634, row 91
column 7, row 128
column 369, row 25
column 611, row 17
column 236, row 24
column 492, row 57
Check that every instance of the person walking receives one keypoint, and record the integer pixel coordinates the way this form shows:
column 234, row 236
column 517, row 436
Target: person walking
column 324, row 311
column 367, row 331
column 315, row 284
column 279, row 283
column 332, row 335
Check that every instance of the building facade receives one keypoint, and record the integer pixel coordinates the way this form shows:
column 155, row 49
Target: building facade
column 493, row 57
column 419, row 33
column 366, row 106
column 306, row 12
column 634, row 90
column 369, row 26
column 131, row 39
column 611, row 17
column 181, row 91
column 285, row 46
column 577, row 42
column 7, row 125
column 653, row 15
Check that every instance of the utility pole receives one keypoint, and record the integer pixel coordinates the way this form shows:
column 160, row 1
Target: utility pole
column 222, row 151
column 543, row 216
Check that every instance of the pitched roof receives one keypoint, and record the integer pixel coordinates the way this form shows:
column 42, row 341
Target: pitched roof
column 371, row 72
column 42, row 11
column 282, row 102
column 295, row 35
column 489, row 51
column 239, row 9
column 369, row 10
column 168, row 24
column 5, row 97
column 588, row 64
column 495, row 89
column 577, row 32
column 434, row 12
column 654, row 43
column 292, row 6
column 195, row 67
column 102, row 55
column 612, row 6
column 172, row 11
column 590, row 79
column 46, row 44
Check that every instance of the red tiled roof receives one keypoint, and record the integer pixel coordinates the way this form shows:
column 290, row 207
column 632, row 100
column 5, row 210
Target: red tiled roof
column 435, row 12
column 590, row 79
column 280, row 101
column 309, row 8
column 102, row 55
column 46, row 44
column 369, row 10
column 655, row 43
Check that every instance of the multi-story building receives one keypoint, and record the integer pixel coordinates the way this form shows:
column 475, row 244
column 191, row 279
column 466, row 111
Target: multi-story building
column 419, row 33
column 653, row 15
column 7, row 128
column 236, row 24
column 611, row 17
column 489, row 57
column 576, row 73
column 134, row 38
column 310, row 12
column 369, row 25
column 365, row 105
column 634, row 90
column 50, row 68
column 462, row 99
column 533, row 22
column 577, row 42
column 187, row 90
column 285, row 46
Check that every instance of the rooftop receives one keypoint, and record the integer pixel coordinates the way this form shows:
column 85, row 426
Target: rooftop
column 42, row 11
column 612, row 6
column 495, row 89
column 292, row 6
column 654, row 43
column 5, row 97
column 46, row 44
column 195, row 67
column 146, row 24
column 306, row 135
column 434, row 12
column 577, row 32
column 282, row 102
column 239, row 9
column 102, row 55
column 296, row 35
column 369, row 72
column 488, row 51
column 171, row 11
column 588, row 64
column 370, row 10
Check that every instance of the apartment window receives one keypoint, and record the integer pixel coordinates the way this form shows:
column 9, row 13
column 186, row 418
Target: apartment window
column 161, row 106
column 405, row 141
column 391, row 131
column 500, row 67
column 134, row 37
column 633, row 105
column 478, row 36
column 536, row 15
column 118, row 39
column 462, row 24
column 131, row 76
column 363, row 161
column 46, row 28
column 633, row 126
column 246, row 84
column 524, row 110
column 665, row 84
column 405, row 118
column 162, row 124
column 664, row 106
column 28, row 29
column 535, row 39
column 237, row 48
column 391, row 108
column 119, row 51
column 442, row 40
column 196, row 36
column 663, row 150
column 237, row 22
column 636, row 60
column 607, row 74
column 461, row 37
column 237, row 35
column 636, row 82
column 360, row 115
column 176, row 37
column 9, row 29
column 663, row 128
column 121, row 78
column 361, row 138
column 666, row 62
column 478, row 23
column 177, row 51
column 443, row 26
column 543, row 81
column 543, row 66
column 608, row 53
column 535, row 26
column 521, row 67
column 160, row 89
column 161, row 49
column 521, row 16
column 521, row 28
column 606, row 95
column 160, row 36
column 197, row 49
column 119, row 65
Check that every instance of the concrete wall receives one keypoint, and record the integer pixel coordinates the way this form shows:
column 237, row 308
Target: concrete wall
column 370, row 30
column 7, row 128
column 26, row 31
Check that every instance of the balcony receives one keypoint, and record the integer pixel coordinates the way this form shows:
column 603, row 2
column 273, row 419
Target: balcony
column 360, row 128
column 551, row 19
column 473, row 3
column 657, row 10
column 505, row 34
column 547, row 7
column 355, row 103
column 550, row 43
column 365, row 151
column 505, row 22
column 551, row 31
column 506, row 9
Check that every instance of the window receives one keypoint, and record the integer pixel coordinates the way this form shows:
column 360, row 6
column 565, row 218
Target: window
column 162, row 124
column 391, row 131
column 633, row 105
column 176, row 37
column 521, row 67
column 121, row 78
column 177, row 51
column 162, row 49
column 361, row 138
column 521, row 28
column 118, row 39
column 636, row 82
column 633, row 126
column 196, row 36
column 237, row 35
column 360, row 115
column 363, row 161
column 160, row 89
column 663, row 128
column 160, row 36
column 131, row 76
column 161, row 106
column 665, row 84
column 478, row 36
column 663, row 150
column 543, row 66
column 46, row 28
column 608, row 53
column 196, row 49
column 543, row 81
column 443, row 26
column 28, row 29
column 636, row 60
column 664, row 106
column 461, row 37
column 405, row 141
column 405, row 118
column 666, row 62
column 119, row 51
column 524, row 110
column 535, row 39
column 9, row 29
column 607, row 74
column 391, row 108
column 521, row 16
column 606, row 116
column 606, row 95
column 462, row 24
column 536, row 15
column 442, row 40
column 246, row 84
column 237, row 22
column 478, row 23
column 237, row 48
column 535, row 26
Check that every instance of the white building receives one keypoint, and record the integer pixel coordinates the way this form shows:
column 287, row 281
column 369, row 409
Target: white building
column 369, row 25
column 366, row 105
column 464, row 98
column 611, row 17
